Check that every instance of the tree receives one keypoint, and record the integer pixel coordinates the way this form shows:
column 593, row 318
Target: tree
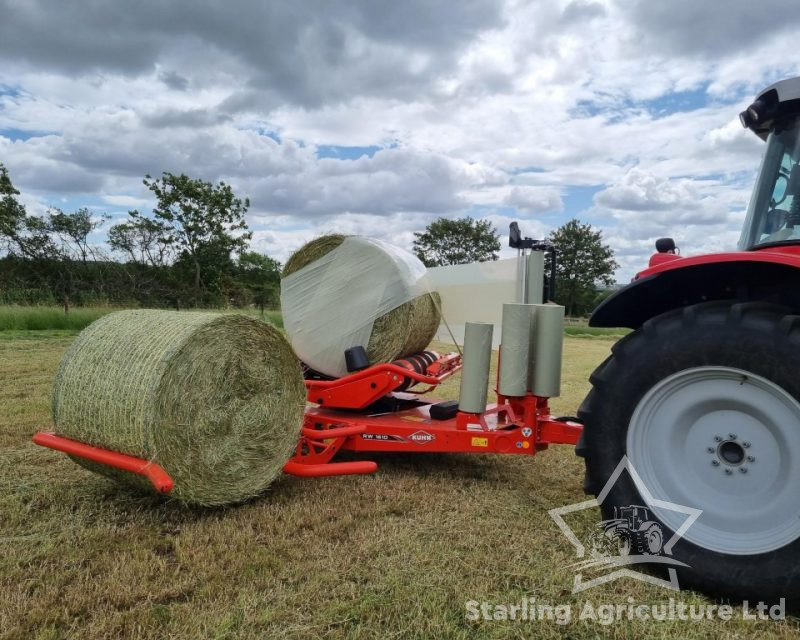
column 73, row 231
column 261, row 276
column 21, row 234
column 12, row 212
column 143, row 240
column 584, row 264
column 457, row 241
column 203, row 222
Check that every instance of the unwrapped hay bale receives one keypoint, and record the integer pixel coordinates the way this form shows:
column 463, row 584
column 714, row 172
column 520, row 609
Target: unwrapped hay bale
column 405, row 330
column 216, row 400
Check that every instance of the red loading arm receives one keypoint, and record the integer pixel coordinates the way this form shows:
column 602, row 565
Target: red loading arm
column 155, row 474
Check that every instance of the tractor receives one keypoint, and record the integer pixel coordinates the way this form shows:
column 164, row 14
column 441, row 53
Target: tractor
column 632, row 531
column 703, row 397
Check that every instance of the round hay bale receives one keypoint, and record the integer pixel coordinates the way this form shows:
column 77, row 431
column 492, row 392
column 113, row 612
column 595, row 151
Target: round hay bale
column 216, row 400
column 402, row 331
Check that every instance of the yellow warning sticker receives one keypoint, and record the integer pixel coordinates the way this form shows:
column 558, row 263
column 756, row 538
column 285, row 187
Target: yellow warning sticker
column 414, row 418
column 480, row 442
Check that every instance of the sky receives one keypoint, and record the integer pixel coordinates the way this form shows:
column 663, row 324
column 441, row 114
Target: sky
column 376, row 118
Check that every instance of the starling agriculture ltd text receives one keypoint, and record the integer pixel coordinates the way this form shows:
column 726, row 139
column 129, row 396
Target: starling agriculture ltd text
column 529, row 610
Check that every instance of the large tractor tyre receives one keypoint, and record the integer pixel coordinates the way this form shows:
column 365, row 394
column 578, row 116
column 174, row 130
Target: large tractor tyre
column 704, row 402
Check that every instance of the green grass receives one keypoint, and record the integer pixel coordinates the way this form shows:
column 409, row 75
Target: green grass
column 390, row 555
column 579, row 327
column 19, row 318
column 585, row 331
column 40, row 318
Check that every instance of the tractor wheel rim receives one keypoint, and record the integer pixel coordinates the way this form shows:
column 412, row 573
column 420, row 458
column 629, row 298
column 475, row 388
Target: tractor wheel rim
column 654, row 541
column 724, row 441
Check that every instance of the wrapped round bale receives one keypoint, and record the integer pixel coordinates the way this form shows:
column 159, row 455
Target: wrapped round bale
column 342, row 291
column 216, row 400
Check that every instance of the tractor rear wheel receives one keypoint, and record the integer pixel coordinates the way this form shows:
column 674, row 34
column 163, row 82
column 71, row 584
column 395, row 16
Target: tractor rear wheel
column 653, row 539
column 704, row 401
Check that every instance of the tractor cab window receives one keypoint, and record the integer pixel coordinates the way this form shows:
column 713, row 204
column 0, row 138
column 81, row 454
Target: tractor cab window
column 773, row 216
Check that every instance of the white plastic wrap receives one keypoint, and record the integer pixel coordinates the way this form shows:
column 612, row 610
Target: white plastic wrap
column 475, row 292
column 331, row 304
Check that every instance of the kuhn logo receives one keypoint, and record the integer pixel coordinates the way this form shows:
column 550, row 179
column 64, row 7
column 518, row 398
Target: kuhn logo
column 422, row 437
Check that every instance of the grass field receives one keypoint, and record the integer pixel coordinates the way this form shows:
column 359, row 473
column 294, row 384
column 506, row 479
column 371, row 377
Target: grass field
column 22, row 318
column 392, row 555
column 40, row 318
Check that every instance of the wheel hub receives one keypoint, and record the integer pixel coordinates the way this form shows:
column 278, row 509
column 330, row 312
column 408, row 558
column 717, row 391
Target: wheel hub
column 731, row 454
column 725, row 441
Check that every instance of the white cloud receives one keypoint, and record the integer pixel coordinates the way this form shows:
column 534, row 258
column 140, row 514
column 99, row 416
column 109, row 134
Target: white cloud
column 500, row 107
column 664, row 199
column 125, row 201
column 535, row 199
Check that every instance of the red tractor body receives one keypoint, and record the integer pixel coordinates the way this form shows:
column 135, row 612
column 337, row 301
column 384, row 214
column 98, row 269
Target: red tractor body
column 702, row 399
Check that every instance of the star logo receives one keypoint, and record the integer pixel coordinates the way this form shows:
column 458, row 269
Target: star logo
column 632, row 533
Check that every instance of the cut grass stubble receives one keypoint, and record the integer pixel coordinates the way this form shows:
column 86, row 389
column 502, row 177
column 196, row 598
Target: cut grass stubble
column 394, row 554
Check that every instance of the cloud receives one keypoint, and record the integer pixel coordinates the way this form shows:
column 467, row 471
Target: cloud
column 732, row 138
column 714, row 28
column 304, row 53
column 174, row 80
column 534, row 199
column 184, row 118
column 391, row 181
column 699, row 215
column 500, row 108
column 679, row 199
column 125, row 201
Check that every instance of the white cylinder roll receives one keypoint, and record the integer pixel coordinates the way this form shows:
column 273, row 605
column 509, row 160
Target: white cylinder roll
column 475, row 372
column 534, row 280
column 515, row 350
column 548, row 344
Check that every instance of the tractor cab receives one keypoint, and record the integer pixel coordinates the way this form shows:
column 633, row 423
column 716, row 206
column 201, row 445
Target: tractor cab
column 766, row 265
column 773, row 217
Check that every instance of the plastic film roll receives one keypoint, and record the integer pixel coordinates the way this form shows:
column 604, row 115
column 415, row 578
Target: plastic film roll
column 515, row 349
column 535, row 278
column 548, row 344
column 475, row 372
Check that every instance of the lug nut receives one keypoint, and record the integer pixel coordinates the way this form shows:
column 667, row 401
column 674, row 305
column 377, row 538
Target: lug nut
column 728, row 471
column 718, row 438
column 742, row 469
column 715, row 463
column 710, row 449
column 746, row 444
column 732, row 436
column 751, row 458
